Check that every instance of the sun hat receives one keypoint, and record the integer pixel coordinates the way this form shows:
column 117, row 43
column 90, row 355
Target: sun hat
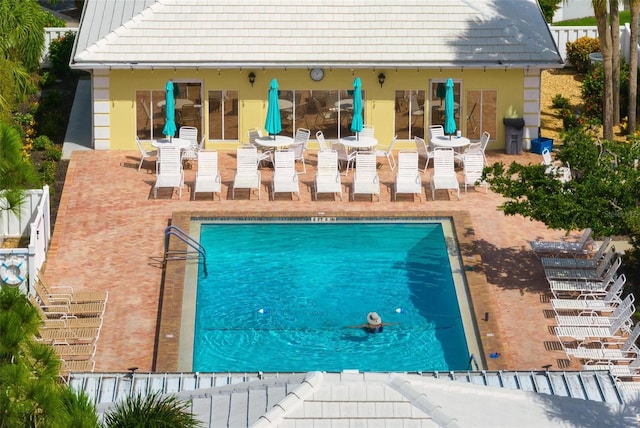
column 373, row 318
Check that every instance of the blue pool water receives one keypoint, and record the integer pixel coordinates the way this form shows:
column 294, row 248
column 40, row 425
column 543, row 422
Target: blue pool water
column 279, row 297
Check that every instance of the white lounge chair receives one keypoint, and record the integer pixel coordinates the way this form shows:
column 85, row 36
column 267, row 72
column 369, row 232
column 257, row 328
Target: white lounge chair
column 207, row 175
column 425, row 150
column 169, row 171
column 321, row 141
column 473, row 166
column 189, row 154
column 615, row 332
column 444, row 175
column 628, row 351
column 144, row 153
column 624, row 311
column 581, row 286
column 247, row 174
column 594, row 272
column 365, row 179
column 618, row 370
column 484, row 141
column 582, row 246
column 593, row 302
column 408, row 176
column 327, row 174
column 387, row 152
column 577, row 263
column 285, row 177
column 300, row 146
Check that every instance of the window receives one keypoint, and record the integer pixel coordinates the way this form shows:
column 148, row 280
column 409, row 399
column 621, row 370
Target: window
column 223, row 115
column 438, row 92
column 482, row 116
column 409, row 117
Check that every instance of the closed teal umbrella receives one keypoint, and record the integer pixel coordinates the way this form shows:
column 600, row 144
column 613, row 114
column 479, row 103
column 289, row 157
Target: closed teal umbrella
column 273, row 125
column 449, row 110
column 169, row 129
column 356, row 121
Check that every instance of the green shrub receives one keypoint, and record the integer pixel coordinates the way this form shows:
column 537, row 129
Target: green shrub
column 53, row 21
column 570, row 120
column 52, row 123
column 48, row 171
column 53, row 152
column 593, row 91
column 60, row 53
column 559, row 102
column 578, row 52
column 41, row 142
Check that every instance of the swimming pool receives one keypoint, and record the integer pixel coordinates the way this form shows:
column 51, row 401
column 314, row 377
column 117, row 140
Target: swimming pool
column 279, row 297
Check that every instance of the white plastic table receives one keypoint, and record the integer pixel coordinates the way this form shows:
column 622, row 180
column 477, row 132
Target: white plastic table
column 285, row 104
column 180, row 143
column 454, row 142
column 362, row 142
column 269, row 142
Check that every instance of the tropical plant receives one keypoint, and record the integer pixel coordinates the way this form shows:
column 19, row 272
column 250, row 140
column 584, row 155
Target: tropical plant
column 16, row 172
column 578, row 52
column 593, row 91
column 60, row 53
column 152, row 410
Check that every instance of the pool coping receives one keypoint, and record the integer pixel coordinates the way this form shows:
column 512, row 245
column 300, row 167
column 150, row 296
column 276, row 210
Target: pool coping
column 168, row 334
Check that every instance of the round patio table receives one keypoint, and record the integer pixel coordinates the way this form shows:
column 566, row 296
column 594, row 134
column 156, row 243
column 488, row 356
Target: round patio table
column 454, row 142
column 268, row 141
column 362, row 142
column 180, row 143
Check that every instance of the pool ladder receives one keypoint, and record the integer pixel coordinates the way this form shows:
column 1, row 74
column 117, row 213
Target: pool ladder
column 183, row 255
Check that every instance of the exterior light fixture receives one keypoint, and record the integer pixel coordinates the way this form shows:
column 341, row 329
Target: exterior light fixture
column 252, row 78
column 381, row 78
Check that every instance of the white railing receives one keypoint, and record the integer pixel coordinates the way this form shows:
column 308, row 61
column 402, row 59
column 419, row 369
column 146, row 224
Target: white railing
column 34, row 221
column 51, row 34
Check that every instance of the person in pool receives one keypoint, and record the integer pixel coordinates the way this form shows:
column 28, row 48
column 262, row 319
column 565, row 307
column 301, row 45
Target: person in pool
column 374, row 323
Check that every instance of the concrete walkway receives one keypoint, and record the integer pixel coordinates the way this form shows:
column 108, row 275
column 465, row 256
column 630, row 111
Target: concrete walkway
column 78, row 135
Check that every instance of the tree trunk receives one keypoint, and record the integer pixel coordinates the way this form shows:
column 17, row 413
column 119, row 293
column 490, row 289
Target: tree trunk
column 634, row 5
column 614, row 13
column 604, row 36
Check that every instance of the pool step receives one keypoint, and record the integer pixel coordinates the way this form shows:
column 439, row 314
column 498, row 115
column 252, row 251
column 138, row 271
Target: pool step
column 105, row 388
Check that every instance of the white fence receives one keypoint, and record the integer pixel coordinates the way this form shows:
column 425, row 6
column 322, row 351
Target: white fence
column 50, row 34
column 34, row 221
column 562, row 35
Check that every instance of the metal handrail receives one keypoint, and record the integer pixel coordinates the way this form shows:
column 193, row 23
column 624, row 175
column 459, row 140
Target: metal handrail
column 184, row 237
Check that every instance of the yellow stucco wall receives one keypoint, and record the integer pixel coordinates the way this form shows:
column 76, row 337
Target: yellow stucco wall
column 379, row 103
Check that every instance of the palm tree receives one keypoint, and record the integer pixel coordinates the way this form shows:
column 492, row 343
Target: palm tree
column 634, row 5
column 151, row 411
column 606, row 48
column 615, row 58
column 21, row 25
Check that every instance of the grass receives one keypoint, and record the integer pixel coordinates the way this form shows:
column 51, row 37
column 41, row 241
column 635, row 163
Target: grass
column 590, row 21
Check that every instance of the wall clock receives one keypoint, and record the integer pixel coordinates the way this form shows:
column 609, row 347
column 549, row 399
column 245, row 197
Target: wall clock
column 316, row 74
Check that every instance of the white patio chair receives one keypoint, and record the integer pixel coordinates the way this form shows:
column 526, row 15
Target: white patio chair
column 408, row 177
column 365, row 179
column 367, row 131
column 627, row 352
column 321, row 141
column 624, row 311
column 435, row 131
column 299, row 147
column 144, row 153
column 444, row 174
column 169, row 171
column 264, row 154
column 484, row 141
column 387, row 152
column 473, row 166
column 425, row 150
column 247, row 175
column 582, row 246
column 344, row 156
column 593, row 302
column 207, row 175
column 190, row 133
column 285, row 176
column 555, row 168
column 327, row 174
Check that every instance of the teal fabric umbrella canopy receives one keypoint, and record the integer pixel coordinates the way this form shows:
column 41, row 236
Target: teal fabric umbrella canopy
column 273, row 125
column 356, row 121
column 169, row 129
column 449, row 110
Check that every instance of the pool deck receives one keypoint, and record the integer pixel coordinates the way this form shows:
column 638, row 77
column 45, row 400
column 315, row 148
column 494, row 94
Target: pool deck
column 109, row 236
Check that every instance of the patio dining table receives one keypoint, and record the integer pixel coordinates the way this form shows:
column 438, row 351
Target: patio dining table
column 180, row 143
column 457, row 143
column 269, row 142
column 359, row 143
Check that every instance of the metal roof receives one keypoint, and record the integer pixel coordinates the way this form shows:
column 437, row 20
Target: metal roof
column 305, row 33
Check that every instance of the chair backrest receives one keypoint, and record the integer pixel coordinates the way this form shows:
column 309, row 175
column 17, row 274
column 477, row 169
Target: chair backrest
column 624, row 309
column 484, row 140
column 474, row 148
column 246, row 160
column 302, row 136
column 436, row 131
column 298, row 150
column 616, row 289
column 207, row 163
column 253, row 134
column 366, row 165
column 367, row 131
column 321, row 141
column 473, row 165
column 407, row 163
column 169, row 162
column 189, row 133
column 443, row 161
column 586, row 235
column 546, row 157
column 143, row 152
column 421, row 146
column 416, row 108
column 327, row 163
column 284, row 162
column 393, row 143
column 631, row 340
column 341, row 149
